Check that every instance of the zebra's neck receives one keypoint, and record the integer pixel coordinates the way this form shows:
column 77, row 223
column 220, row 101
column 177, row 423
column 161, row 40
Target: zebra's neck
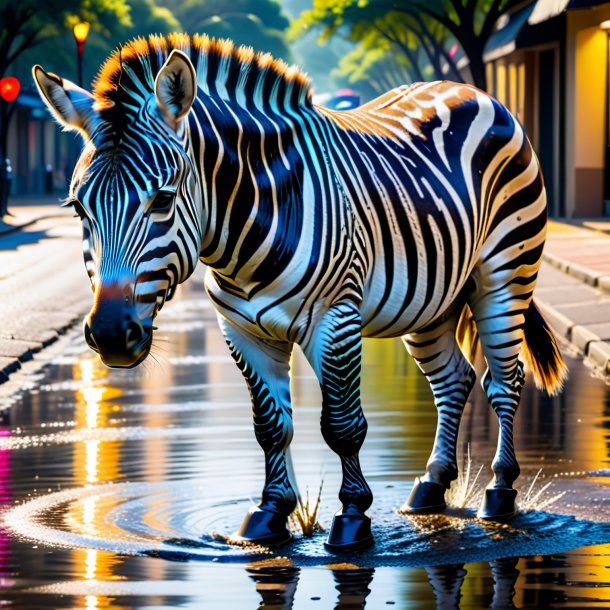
column 251, row 178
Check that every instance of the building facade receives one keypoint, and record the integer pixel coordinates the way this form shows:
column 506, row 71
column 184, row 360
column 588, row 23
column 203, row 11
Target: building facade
column 548, row 62
column 42, row 157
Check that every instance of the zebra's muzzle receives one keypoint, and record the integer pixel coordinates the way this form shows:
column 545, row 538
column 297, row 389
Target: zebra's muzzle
column 115, row 332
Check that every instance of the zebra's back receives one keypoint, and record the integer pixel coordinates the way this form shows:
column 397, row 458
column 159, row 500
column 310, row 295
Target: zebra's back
column 444, row 185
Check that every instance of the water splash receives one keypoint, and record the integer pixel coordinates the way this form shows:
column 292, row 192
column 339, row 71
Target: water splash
column 536, row 497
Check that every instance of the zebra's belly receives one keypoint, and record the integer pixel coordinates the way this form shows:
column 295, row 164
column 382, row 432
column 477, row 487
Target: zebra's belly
column 393, row 307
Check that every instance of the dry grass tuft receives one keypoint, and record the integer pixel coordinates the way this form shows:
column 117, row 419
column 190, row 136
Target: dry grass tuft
column 305, row 515
column 463, row 489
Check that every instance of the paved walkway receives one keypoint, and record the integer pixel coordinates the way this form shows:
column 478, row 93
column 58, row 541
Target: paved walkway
column 44, row 288
column 574, row 288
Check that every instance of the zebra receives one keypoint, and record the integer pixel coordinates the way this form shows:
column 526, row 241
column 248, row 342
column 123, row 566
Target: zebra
column 421, row 214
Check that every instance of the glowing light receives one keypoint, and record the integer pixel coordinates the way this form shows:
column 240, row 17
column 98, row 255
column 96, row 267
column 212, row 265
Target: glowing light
column 91, row 564
column 91, row 461
column 9, row 88
column 605, row 25
column 80, row 31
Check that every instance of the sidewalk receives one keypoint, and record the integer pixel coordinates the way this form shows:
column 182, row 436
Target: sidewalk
column 44, row 289
column 574, row 288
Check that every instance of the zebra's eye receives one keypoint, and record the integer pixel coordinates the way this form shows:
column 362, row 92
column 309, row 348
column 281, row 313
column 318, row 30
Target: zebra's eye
column 162, row 202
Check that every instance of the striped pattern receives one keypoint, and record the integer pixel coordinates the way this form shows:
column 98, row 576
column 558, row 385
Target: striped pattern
column 320, row 227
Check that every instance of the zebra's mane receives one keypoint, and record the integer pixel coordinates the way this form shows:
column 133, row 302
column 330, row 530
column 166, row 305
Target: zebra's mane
column 232, row 72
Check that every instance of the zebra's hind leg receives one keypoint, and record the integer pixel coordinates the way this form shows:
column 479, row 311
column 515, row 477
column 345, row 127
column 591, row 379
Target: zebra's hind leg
column 499, row 316
column 436, row 351
column 334, row 352
column 266, row 367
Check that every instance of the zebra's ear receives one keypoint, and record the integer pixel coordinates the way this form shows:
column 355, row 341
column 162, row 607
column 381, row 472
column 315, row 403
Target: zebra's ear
column 176, row 88
column 70, row 105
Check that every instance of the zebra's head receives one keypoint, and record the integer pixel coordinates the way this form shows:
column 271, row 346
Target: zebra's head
column 138, row 195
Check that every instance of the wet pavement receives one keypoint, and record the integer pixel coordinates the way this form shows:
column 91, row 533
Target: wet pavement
column 118, row 488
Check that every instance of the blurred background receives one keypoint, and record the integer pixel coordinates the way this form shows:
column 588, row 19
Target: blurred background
column 547, row 60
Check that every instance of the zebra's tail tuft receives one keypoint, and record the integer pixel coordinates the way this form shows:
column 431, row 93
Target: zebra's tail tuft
column 542, row 353
column 540, row 348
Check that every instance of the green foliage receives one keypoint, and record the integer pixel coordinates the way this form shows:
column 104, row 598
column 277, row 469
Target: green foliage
column 392, row 47
column 434, row 25
column 41, row 31
column 260, row 24
column 28, row 24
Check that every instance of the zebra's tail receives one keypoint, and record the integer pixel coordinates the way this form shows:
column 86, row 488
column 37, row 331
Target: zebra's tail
column 540, row 348
column 542, row 353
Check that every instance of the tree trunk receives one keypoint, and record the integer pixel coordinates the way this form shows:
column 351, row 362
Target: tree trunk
column 477, row 69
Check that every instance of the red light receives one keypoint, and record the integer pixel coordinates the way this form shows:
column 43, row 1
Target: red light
column 9, row 88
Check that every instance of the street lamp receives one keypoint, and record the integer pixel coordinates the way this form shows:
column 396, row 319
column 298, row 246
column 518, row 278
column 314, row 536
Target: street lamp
column 80, row 32
column 9, row 90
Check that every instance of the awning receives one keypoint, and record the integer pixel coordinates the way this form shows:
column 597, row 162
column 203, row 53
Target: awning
column 547, row 9
column 504, row 40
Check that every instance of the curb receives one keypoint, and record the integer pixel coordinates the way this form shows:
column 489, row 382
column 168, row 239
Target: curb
column 596, row 279
column 15, row 351
column 587, row 343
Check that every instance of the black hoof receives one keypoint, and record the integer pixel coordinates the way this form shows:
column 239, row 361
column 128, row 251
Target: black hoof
column 498, row 504
column 425, row 497
column 349, row 532
column 262, row 527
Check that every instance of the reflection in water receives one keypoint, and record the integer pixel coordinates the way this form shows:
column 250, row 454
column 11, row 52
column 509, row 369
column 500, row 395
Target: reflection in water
column 352, row 583
column 95, row 461
column 276, row 582
column 447, row 583
column 505, row 575
column 5, row 501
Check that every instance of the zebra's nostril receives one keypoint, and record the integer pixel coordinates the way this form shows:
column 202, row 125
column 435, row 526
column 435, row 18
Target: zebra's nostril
column 134, row 334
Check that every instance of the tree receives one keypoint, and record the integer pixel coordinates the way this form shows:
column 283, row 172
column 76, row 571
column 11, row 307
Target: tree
column 27, row 23
column 260, row 24
column 435, row 24
column 392, row 47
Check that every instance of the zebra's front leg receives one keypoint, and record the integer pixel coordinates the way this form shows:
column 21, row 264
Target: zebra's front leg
column 334, row 351
column 451, row 379
column 266, row 367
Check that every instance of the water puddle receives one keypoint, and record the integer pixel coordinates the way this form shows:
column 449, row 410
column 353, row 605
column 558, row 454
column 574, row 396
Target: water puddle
column 181, row 521
column 119, row 488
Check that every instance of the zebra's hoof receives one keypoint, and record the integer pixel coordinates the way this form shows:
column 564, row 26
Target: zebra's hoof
column 262, row 527
column 350, row 531
column 425, row 497
column 498, row 504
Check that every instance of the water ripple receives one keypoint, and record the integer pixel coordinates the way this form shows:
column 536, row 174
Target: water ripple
column 183, row 520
